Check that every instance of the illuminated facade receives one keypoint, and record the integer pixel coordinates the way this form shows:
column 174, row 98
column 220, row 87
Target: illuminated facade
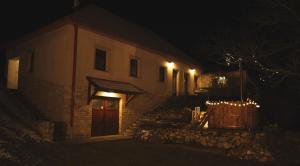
column 96, row 76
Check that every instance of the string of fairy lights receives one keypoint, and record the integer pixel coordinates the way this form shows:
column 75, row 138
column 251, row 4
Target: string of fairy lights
column 237, row 104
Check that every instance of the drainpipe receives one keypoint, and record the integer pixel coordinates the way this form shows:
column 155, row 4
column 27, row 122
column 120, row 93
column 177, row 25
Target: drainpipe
column 73, row 90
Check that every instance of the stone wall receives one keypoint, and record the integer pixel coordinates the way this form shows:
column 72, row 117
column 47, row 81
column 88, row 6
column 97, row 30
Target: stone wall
column 242, row 144
column 51, row 100
column 82, row 121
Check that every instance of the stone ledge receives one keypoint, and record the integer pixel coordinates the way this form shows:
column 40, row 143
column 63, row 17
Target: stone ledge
column 241, row 144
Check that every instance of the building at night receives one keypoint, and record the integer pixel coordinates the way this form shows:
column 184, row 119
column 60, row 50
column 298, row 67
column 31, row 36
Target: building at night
column 96, row 72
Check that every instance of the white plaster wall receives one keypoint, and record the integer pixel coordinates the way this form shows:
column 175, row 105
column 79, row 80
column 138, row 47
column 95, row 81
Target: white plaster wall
column 118, row 55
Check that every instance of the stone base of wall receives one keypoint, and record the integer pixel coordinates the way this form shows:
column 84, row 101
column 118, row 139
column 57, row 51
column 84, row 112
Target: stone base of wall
column 45, row 129
column 241, row 144
column 82, row 122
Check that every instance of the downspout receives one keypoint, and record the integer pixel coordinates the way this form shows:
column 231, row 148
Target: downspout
column 73, row 91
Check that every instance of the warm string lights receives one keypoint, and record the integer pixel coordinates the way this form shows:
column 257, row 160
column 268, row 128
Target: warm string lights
column 237, row 104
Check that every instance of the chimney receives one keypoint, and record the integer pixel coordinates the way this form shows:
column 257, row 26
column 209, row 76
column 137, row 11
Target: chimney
column 76, row 4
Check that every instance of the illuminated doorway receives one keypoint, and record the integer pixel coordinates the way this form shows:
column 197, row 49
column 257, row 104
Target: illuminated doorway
column 105, row 116
column 13, row 73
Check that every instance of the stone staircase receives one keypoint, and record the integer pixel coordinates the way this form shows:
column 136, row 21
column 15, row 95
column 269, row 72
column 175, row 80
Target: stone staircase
column 145, row 119
column 132, row 129
column 164, row 113
column 154, row 120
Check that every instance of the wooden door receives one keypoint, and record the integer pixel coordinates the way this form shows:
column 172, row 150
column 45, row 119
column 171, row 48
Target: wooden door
column 105, row 116
column 186, row 83
column 174, row 82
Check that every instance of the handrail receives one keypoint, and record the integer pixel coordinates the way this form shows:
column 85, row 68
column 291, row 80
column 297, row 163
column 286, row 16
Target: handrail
column 205, row 118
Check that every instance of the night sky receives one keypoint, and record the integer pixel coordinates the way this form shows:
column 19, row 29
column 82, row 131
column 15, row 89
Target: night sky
column 183, row 24
column 186, row 25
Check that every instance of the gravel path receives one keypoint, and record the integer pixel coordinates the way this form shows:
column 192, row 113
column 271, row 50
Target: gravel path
column 123, row 153
column 129, row 153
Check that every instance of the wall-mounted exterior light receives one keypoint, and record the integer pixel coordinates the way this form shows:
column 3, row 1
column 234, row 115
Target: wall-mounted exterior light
column 108, row 94
column 170, row 64
column 192, row 71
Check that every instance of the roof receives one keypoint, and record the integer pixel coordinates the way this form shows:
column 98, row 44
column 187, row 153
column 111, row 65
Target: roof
column 107, row 23
column 114, row 86
column 115, row 26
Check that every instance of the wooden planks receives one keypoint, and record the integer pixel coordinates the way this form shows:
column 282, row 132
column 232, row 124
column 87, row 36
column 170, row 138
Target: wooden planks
column 232, row 117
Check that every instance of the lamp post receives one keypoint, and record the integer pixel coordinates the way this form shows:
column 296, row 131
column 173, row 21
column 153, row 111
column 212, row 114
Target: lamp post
column 231, row 59
column 241, row 78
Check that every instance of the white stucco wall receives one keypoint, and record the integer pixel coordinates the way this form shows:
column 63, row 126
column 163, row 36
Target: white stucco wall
column 48, row 85
column 118, row 55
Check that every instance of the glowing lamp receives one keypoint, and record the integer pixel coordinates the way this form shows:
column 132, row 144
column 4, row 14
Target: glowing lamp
column 170, row 64
column 107, row 94
column 192, row 71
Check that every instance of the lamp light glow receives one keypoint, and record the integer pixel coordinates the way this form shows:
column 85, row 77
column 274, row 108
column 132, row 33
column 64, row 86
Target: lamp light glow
column 170, row 64
column 192, row 71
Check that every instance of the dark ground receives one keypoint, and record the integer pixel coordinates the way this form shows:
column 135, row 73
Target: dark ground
column 117, row 153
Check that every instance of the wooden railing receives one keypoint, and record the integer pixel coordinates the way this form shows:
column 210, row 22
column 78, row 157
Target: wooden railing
column 201, row 118
column 204, row 119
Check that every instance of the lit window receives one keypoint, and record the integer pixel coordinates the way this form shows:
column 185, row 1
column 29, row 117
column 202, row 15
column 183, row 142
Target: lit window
column 221, row 80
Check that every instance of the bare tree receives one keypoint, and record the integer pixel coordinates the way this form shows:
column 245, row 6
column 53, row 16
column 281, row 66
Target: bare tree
column 267, row 40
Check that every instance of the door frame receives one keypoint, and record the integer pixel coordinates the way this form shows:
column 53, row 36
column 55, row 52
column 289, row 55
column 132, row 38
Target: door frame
column 118, row 117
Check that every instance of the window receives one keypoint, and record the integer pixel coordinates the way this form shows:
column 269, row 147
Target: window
column 29, row 60
column 162, row 74
column 174, row 82
column 133, row 67
column 196, row 81
column 100, row 60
